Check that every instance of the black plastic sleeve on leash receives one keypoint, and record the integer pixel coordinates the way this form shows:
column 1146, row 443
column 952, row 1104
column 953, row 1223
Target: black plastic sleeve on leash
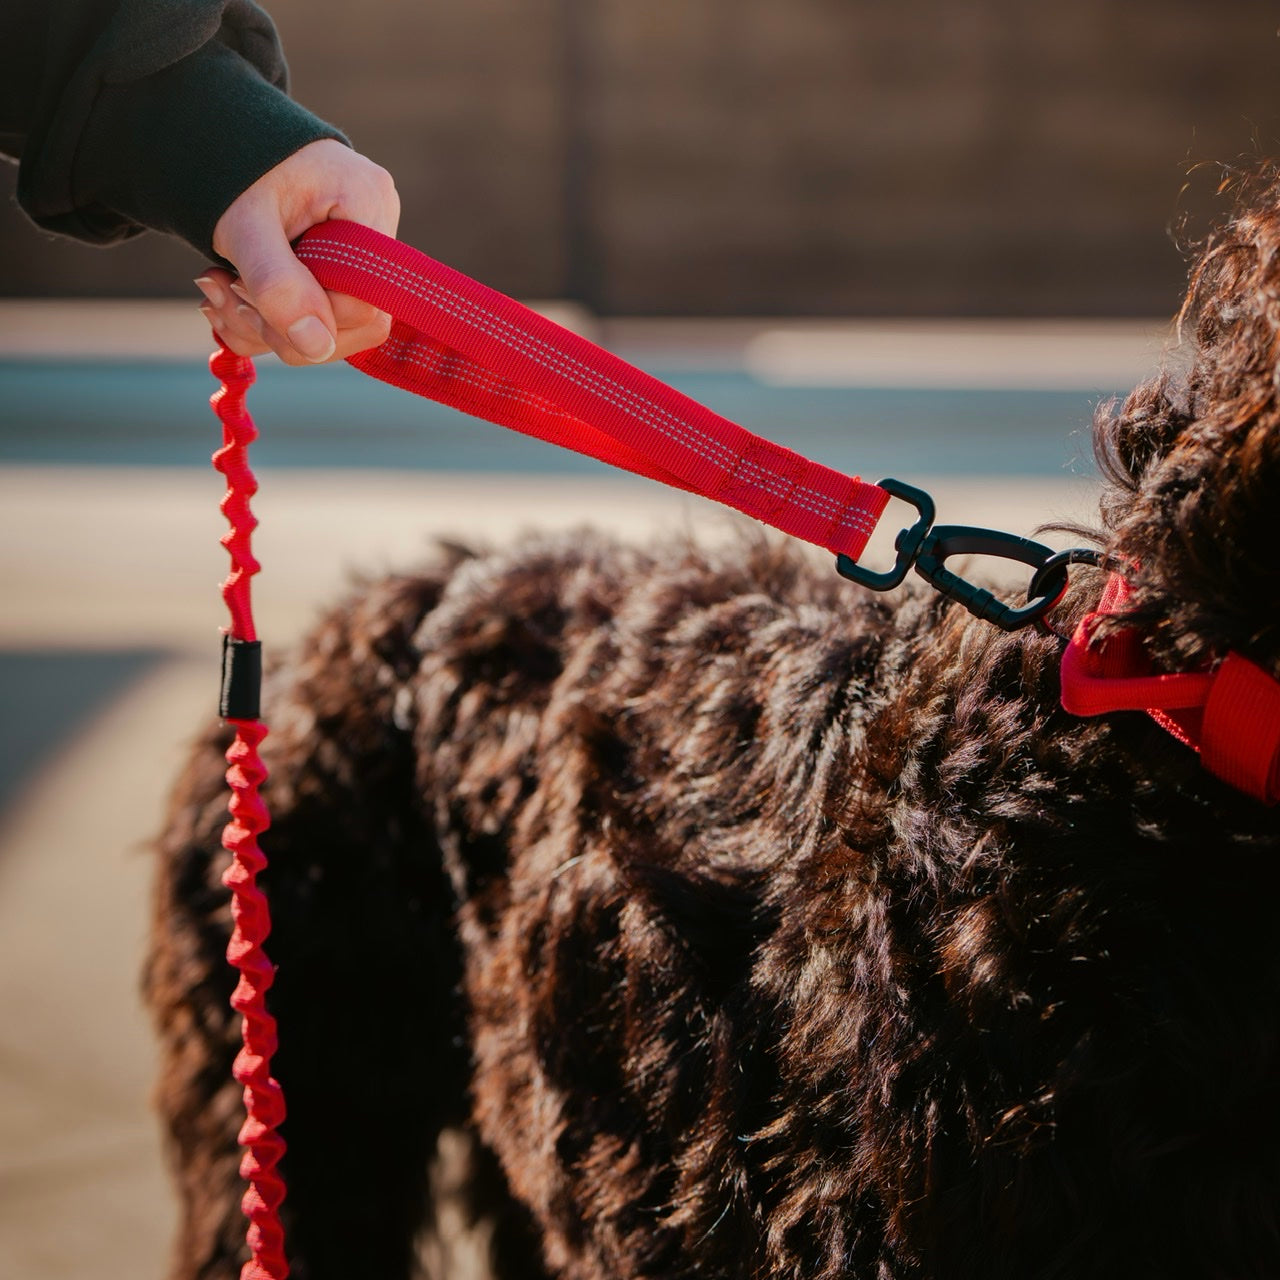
column 241, row 679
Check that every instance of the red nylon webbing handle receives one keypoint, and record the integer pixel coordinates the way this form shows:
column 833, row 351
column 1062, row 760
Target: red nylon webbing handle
column 459, row 342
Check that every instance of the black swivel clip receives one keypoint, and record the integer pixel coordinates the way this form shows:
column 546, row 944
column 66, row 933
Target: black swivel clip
column 926, row 548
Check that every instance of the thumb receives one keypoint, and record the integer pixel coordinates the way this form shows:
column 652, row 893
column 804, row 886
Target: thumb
column 287, row 296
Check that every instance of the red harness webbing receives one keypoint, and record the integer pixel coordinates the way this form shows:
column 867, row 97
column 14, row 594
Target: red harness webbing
column 459, row 342
column 1230, row 715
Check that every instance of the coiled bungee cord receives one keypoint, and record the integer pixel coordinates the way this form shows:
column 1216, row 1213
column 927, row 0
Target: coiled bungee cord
column 241, row 681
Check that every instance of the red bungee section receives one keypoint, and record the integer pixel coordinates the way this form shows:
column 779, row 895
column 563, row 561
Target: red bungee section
column 263, row 1097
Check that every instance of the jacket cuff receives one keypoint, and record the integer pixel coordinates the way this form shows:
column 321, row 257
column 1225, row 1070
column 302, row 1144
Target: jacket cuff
column 173, row 150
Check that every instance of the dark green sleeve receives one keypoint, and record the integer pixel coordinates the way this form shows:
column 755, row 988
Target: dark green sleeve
column 127, row 114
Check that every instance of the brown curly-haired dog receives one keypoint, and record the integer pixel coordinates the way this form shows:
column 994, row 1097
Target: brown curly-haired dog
column 733, row 922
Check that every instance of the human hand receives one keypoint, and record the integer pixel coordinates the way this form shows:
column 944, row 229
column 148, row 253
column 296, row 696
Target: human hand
column 276, row 304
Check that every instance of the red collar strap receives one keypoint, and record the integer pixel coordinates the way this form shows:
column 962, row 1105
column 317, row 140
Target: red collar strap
column 1230, row 715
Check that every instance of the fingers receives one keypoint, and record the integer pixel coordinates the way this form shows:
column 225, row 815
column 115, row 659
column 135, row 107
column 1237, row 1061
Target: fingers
column 276, row 303
column 238, row 326
column 359, row 327
column 297, row 321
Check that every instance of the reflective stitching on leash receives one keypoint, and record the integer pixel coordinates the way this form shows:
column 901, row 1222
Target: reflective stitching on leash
column 678, row 430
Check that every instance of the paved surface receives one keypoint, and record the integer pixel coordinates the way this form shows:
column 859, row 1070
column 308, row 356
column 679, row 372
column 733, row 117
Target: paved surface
column 108, row 663
column 82, row 1192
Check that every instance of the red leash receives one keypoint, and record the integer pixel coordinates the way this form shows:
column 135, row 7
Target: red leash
column 461, row 343
column 464, row 344
column 458, row 342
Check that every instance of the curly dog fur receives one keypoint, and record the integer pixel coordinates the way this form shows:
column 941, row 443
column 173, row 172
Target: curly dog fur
column 732, row 922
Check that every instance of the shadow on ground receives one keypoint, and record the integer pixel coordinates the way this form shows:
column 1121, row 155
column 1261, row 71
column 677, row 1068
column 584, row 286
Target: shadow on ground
column 47, row 696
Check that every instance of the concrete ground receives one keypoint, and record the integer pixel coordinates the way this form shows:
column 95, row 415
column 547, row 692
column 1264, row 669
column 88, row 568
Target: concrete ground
column 108, row 663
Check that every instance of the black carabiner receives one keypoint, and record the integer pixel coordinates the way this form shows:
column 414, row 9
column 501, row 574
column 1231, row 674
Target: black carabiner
column 927, row 549
column 1061, row 560
column 1073, row 555
column 907, row 544
column 949, row 540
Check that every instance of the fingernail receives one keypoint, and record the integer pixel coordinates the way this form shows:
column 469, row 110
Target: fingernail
column 311, row 339
column 240, row 291
column 248, row 313
column 214, row 319
column 211, row 290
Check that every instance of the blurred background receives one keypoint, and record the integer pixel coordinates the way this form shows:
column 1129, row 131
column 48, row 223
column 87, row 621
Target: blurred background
column 922, row 239
column 740, row 157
